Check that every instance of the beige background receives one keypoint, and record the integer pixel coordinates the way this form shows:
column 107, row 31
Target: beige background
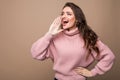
column 24, row 21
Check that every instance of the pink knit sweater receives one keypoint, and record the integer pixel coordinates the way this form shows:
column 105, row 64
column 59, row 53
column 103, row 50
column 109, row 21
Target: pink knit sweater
column 67, row 51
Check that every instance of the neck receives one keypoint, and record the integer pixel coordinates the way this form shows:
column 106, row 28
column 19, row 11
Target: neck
column 71, row 28
column 71, row 32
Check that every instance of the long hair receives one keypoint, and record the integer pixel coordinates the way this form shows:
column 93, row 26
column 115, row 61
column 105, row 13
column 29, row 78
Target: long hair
column 89, row 36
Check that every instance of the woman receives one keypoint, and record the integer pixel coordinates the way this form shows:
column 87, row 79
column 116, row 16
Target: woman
column 73, row 46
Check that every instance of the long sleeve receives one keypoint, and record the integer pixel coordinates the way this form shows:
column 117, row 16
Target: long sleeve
column 105, row 60
column 40, row 49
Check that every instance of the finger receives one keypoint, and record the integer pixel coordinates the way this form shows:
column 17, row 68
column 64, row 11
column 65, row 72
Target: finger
column 83, row 71
column 81, row 68
column 60, row 30
column 79, row 71
column 56, row 21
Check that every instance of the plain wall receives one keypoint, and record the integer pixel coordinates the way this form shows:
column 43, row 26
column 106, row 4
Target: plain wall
column 22, row 22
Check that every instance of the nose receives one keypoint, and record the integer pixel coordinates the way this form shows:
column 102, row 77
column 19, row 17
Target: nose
column 63, row 16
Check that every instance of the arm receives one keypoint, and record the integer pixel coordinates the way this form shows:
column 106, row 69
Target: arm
column 41, row 48
column 105, row 60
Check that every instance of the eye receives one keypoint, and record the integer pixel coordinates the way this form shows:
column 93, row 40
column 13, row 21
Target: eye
column 68, row 13
column 62, row 13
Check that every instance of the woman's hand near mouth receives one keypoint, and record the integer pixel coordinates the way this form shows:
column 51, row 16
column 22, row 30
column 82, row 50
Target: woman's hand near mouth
column 55, row 27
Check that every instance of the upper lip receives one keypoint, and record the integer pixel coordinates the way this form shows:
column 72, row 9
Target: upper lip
column 65, row 21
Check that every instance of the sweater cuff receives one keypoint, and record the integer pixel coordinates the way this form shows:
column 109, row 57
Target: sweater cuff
column 48, row 36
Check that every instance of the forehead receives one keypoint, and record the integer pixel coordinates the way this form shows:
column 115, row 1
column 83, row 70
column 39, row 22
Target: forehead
column 67, row 9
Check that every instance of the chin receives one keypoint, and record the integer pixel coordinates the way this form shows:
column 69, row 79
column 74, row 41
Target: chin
column 65, row 27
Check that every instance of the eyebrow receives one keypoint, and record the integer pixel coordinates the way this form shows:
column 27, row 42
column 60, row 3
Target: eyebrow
column 65, row 12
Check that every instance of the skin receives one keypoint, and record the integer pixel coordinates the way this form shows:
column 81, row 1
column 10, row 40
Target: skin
column 68, row 16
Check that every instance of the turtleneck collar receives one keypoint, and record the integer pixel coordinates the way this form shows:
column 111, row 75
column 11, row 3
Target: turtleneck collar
column 71, row 32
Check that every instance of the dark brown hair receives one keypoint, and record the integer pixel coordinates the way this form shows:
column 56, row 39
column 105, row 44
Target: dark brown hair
column 89, row 36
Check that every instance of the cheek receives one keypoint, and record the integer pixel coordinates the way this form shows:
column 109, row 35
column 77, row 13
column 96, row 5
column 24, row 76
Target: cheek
column 72, row 20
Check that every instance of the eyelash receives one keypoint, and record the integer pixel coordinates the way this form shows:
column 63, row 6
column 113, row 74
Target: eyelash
column 67, row 14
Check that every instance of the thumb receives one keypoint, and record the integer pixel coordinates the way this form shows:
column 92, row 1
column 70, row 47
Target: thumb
column 60, row 30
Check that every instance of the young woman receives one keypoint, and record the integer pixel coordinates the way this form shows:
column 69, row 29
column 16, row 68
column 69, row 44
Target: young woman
column 73, row 46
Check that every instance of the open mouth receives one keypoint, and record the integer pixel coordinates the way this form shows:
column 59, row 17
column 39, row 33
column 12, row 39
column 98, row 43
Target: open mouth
column 64, row 22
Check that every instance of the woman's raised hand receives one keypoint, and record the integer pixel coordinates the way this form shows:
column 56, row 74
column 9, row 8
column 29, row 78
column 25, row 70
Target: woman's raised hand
column 56, row 26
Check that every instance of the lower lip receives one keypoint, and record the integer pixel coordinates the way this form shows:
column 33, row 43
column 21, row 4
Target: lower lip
column 65, row 26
